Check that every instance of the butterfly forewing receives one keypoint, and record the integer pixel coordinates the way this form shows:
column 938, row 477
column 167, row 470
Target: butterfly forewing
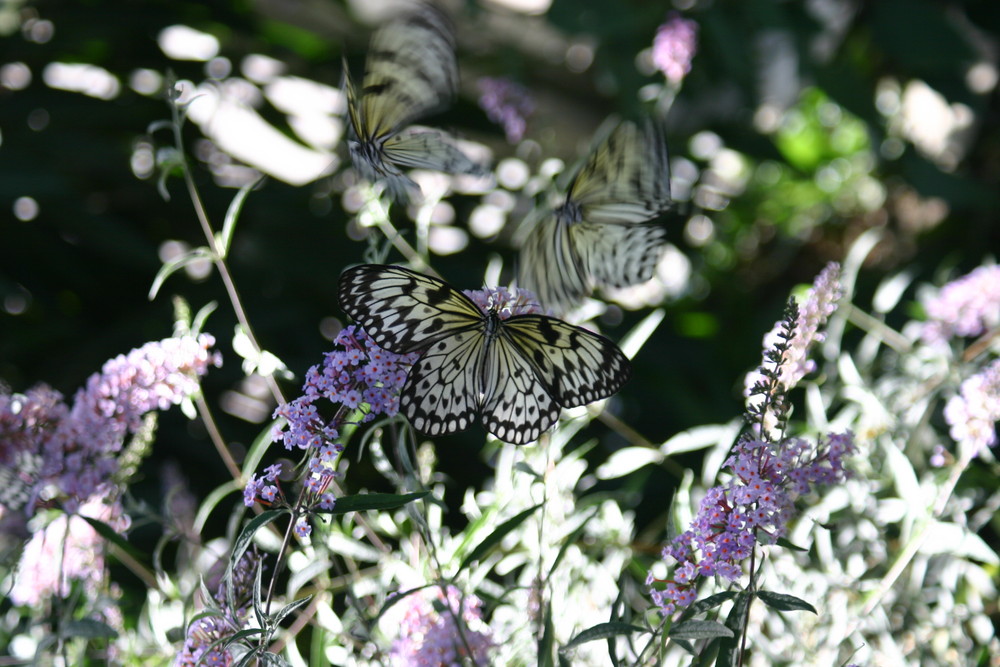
column 575, row 365
column 410, row 71
column 626, row 178
column 402, row 310
column 550, row 267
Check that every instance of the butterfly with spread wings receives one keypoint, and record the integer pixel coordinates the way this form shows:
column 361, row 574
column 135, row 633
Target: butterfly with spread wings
column 410, row 72
column 515, row 372
column 595, row 237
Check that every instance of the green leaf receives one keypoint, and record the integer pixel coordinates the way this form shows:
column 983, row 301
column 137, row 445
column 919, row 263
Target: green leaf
column 211, row 502
column 114, row 537
column 571, row 539
column 225, row 238
column 545, row 643
column 197, row 254
column 199, row 319
column 88, row 628
column 729, row 646
column 259, row 447
column 157, row 125
column 782, row 542
column 602, row 631
column 527, row 469
column 699, row 630
column 242, row 543
column 783, row 602
column 710, row 602
column 363, row 502
column 289, row 608
column 494, row 538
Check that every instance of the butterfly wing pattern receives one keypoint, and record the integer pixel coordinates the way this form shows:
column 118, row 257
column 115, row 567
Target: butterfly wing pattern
column 410, row 72
column 515, row 374
column 596, row 237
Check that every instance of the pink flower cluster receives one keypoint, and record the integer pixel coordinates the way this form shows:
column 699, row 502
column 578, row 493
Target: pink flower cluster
column 973, row 413
column 429, row 635
column 674, row 47
column 76, row 447
column 817, row 306
column 967, row 306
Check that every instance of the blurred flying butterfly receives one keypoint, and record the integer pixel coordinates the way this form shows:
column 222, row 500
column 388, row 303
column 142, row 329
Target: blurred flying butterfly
column 515, row 371
column 411, row 71
column 18, row 479
column 594, row 238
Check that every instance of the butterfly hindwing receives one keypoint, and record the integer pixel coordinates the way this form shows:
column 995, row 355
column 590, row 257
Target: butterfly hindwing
column 517, row 407
column 619, row 255
column 550, row 266
column 575, row 365
column 441, row 393
column 424, row 148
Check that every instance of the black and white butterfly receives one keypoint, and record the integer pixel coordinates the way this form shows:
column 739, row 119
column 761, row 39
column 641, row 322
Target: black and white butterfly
column 410, row 72
column 18, row 479
column 515, row 373
column 595, row 239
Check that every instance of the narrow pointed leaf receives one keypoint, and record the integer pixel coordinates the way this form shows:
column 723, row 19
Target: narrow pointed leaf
column 225, row 238
column 699, row 630
column 601, row 631
column 111, row 535
column 171, row 267
column 710, row 602
column 784, row 602
column 373, row 501
column 88, row 628
column 494, row 538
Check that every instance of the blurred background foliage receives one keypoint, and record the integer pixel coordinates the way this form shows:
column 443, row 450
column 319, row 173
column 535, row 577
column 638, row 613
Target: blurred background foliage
column 800, row 126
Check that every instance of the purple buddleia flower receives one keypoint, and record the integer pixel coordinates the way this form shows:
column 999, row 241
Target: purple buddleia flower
column 755, row 506
column 967, row 306
column 794, row 363
column 202, row 645
column 973, row 413
column 506, row 103
column 506, row 301
column 674, row 47
column 78, row 446
column 429, row 635
column 357, row 381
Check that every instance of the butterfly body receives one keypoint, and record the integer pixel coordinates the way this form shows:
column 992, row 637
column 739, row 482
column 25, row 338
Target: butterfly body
column 596, row 237
column 514, row 371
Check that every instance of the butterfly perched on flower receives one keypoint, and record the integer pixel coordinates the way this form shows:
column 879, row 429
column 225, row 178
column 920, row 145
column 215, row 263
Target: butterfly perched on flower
column 595, row 237
column 410, row 72
column 513, row 369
